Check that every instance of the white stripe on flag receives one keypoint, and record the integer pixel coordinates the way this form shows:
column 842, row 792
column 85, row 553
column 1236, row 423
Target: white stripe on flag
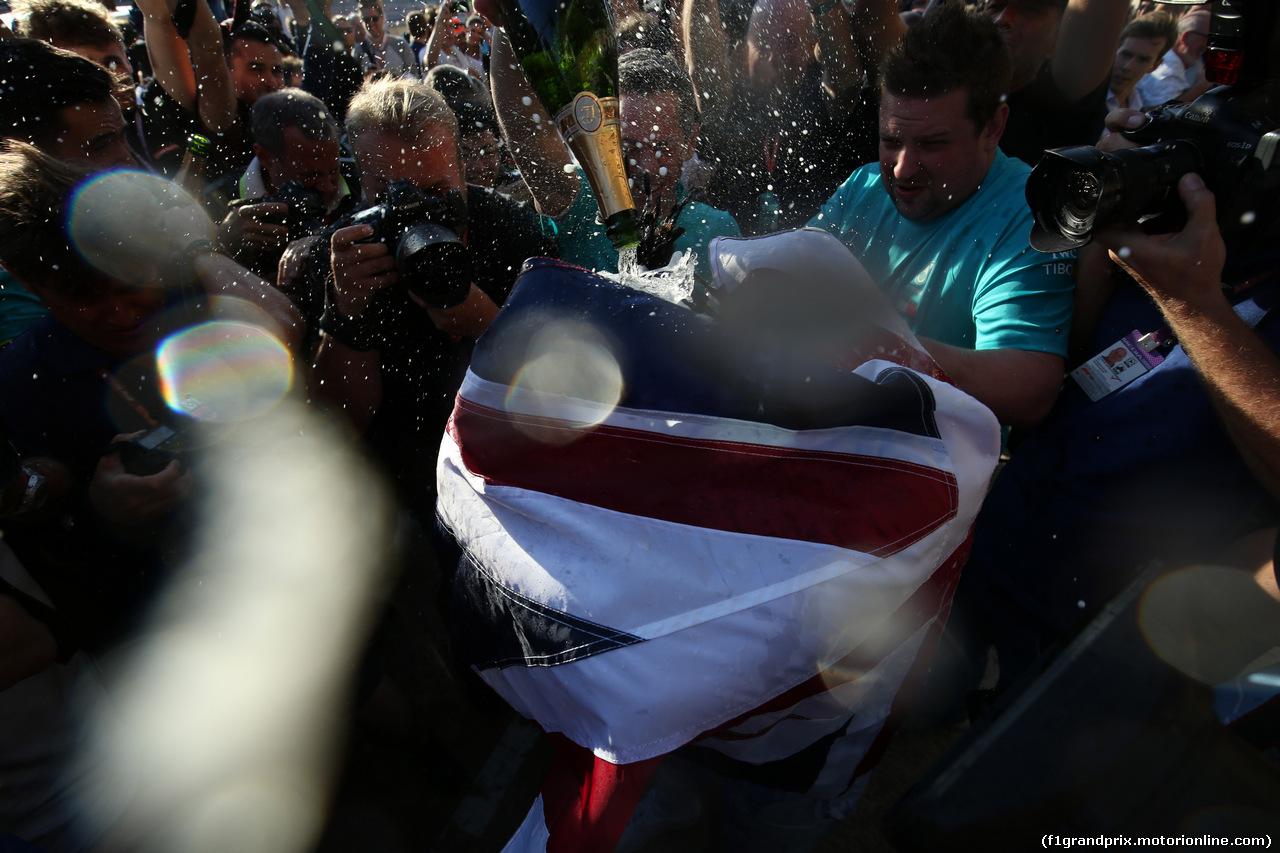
column 532, row 836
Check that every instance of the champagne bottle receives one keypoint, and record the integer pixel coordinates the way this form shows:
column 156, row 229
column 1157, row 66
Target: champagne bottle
column 569, row 55
column 191, row 172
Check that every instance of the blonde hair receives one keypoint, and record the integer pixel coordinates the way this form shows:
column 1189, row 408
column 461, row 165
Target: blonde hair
column 34, row 191
column 404, row 108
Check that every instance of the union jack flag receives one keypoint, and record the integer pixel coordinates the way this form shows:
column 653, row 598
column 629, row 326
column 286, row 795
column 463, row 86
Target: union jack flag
column 748, row 549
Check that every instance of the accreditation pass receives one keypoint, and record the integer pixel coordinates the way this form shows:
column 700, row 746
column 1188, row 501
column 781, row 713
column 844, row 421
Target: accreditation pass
column 1118, row 364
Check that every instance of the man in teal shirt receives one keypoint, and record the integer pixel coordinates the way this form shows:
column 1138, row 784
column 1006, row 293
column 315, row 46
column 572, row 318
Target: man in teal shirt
column 659, row 132
column 942, row 220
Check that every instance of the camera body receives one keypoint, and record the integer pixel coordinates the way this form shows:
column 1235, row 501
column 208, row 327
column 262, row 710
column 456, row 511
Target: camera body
column 306, row 210
column 150, row 452
column 1230, row 136
column 420, row 229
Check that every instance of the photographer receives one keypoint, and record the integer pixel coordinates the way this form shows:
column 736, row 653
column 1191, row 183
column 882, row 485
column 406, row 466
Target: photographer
column 82, row 379
column 1173, row 466
column 296, row 148
column 388, row 358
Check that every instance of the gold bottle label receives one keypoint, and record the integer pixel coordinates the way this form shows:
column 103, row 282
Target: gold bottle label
column 592, row 129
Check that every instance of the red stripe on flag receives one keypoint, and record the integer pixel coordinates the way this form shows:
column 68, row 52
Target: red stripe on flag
column 586, row 801
column 911, row 686
column 864, row 503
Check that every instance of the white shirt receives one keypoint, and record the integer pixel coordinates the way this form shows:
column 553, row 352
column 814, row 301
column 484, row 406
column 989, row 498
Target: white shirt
column 1135, row 100
column 1169, row 80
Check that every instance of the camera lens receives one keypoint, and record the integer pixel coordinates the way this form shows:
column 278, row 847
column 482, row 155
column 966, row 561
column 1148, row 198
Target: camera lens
column 434, row 265
column 1078, row 204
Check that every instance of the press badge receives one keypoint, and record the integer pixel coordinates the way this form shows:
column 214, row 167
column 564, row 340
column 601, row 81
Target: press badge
column 1120, row 363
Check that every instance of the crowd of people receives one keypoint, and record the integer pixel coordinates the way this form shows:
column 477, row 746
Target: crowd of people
column 908, row 133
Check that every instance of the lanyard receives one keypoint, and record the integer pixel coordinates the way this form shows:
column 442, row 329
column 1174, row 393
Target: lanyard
column 118, row 387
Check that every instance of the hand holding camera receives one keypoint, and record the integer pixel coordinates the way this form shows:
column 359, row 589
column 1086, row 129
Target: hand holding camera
column 360, row 268
column 1229, row 136
column 1185, row 266
column 409, row 238
column 253, row 228
column 128, row 499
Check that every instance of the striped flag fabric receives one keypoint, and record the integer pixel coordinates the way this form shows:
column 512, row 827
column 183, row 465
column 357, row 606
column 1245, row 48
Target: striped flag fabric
column 672, row 534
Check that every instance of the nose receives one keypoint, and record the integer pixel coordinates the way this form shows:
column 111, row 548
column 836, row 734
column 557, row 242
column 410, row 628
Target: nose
column 128, row 307
column 326, row 186
column 122, row 155
column 1006, row 17
column 905, row 163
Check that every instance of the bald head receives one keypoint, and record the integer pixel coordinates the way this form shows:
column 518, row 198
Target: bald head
column 1193, row 37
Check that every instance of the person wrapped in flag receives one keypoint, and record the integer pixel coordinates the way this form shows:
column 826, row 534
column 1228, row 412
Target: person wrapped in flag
column 739, row 527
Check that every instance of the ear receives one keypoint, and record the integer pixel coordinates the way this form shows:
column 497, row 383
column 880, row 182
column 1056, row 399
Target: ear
column 995, row 128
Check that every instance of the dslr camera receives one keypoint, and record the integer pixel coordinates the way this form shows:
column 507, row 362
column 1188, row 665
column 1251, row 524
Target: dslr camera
column 1230, row 138
column 420, row 229
column 150, row 452
column 305, row 215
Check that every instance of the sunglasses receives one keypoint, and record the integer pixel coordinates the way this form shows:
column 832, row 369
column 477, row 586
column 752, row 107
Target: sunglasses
column 372, row 19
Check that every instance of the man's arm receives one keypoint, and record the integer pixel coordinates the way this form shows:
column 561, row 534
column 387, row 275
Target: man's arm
column 707, row 61
column 443, row 36
column 194, row 72
column 1182, row 272
column 1018, row 386
column 1086, row 49
column 877, row 26
column 222, row 277
column 168, row 52
column 841, row 64
column 531, row 136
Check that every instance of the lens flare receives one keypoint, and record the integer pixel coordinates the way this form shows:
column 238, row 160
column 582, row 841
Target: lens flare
column 131, row 226
column 223, row 371
column 227, row 717
column 1210, row 622
column 570, row 383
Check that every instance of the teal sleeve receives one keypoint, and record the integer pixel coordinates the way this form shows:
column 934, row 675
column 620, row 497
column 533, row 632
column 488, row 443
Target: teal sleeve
column 19, row 308
column 1025, row 302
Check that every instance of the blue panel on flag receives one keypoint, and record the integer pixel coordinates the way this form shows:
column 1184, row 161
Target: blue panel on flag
column 676, row 360
column 496, row 627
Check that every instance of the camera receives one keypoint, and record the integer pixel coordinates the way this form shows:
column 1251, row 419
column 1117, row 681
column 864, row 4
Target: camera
column 1229, row 136
column 421, row 231
column 150, row 452
column 305, row 215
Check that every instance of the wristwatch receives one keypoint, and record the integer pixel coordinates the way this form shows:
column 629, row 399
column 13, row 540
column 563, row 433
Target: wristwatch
column 33, row 496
